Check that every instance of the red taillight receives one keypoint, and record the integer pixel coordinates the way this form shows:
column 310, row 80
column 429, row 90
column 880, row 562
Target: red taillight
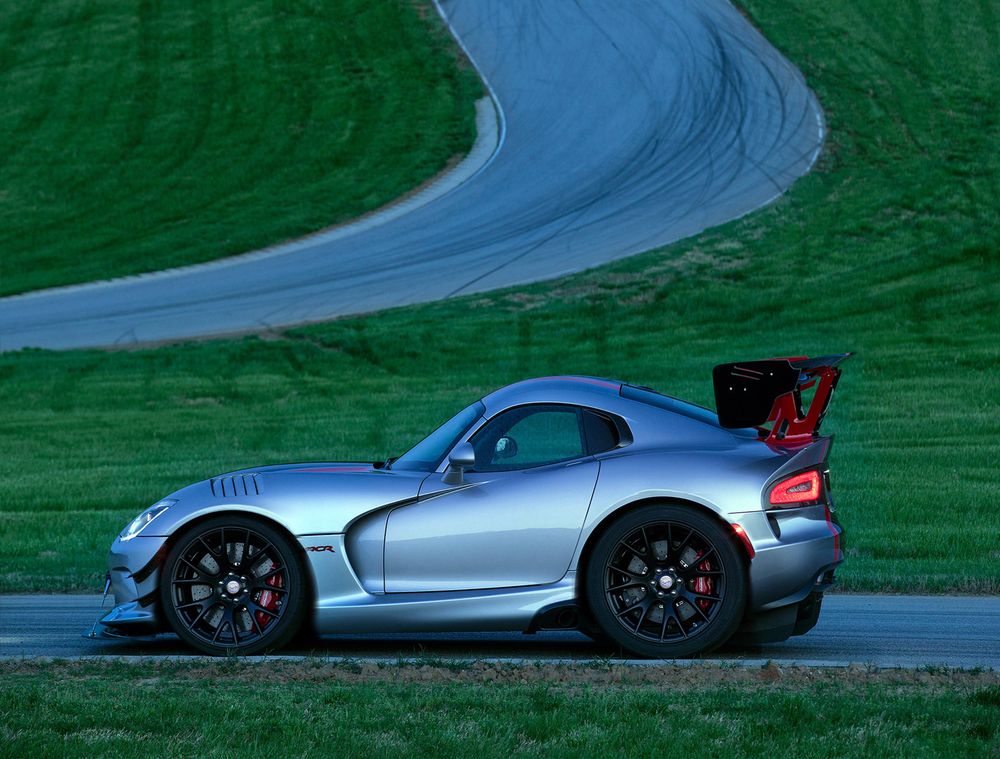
column 802, row 488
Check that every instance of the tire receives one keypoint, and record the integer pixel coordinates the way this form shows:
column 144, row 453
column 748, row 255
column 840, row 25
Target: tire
column 233, row 584
column 666, row 581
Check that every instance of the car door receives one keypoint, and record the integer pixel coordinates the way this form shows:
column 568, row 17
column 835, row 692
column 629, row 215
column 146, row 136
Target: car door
column 516, row 518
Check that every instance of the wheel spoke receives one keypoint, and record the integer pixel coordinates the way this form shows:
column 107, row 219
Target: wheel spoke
column 680, row 624
column 253, row 620
column 700, row 559
column 208, row 548
column 259, row 557
column 663, row 626
column 631, row 584
column 228, row 551
column 263, row 551
column 634, row 551
column 645, row 611
column 227, row 619
column 684, row 544
column 233, row 627
column 634, row 575
column 646, row 544
column 270, row 588
column 704, row 596
column 201, row 614
column 218, row 630
column 633, row 607
column 257, row 607
column 669, row 613
column 269, row 575
column 200, row 570
column 702, row 614
column 706, row 572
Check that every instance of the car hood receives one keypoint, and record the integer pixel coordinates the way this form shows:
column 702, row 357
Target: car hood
column 307, row 499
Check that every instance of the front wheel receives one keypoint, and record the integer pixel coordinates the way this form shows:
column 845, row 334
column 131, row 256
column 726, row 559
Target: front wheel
column 666, row 581
column 233, row 584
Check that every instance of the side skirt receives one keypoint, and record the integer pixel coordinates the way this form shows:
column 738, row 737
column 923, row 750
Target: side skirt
column 458, row 611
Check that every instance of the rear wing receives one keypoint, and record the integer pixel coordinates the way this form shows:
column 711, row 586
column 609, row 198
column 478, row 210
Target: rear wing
column 755, row 393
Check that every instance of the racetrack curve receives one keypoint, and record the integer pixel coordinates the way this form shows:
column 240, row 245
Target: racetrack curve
column 625, row 126
column 882, row 631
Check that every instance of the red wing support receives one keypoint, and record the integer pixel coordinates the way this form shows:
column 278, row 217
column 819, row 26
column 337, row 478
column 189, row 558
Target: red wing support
column 757, row 393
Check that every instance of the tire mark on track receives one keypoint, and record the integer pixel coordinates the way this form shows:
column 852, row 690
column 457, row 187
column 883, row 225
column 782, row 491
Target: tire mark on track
column 624, row 127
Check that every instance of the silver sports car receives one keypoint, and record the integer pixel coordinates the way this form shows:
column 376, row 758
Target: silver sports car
column 554, row 503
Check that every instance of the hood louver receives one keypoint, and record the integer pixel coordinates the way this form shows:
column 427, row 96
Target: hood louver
column 237, row 485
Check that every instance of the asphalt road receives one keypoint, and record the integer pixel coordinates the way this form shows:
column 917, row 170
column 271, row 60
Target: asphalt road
column 620, row 127
column 884, row 631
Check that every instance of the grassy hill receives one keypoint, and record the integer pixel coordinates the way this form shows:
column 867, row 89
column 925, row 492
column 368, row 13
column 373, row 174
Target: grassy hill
column 889, row 248
column 137, row 136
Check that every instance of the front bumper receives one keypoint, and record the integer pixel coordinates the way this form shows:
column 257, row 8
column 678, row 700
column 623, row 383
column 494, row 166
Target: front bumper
column 134, row 573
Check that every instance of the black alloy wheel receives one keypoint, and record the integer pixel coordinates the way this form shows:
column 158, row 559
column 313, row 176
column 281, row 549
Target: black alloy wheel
column 233, row 584
column 666, row 581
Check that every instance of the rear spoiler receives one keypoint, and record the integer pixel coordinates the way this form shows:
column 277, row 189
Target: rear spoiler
column 755, row 393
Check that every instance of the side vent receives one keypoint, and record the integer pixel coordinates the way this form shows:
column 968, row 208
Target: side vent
column 237, row 485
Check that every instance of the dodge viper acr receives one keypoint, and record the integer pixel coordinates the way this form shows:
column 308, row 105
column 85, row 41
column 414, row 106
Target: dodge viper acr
column 555, row 503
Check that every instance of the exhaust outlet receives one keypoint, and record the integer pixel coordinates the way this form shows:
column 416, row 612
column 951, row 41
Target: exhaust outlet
column 567, row 619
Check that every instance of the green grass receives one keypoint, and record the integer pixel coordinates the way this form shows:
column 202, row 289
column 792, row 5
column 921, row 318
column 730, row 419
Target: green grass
column 889, row 248
column 120, row 710
column 137, row 135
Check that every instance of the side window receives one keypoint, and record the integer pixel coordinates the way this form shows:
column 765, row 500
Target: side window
column 529, row 436
column 601, row 432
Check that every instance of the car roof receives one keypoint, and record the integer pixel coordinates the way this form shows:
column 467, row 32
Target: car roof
column 610, row 395
column 578, row 390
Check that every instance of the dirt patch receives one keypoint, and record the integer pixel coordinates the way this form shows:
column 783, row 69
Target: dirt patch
column 666, row 677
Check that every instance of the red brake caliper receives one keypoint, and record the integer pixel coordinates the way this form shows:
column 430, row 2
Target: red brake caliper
column 269, row 600
column 703, row 585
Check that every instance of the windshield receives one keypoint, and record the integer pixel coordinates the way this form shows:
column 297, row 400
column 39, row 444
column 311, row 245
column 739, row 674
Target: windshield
column 427, row 454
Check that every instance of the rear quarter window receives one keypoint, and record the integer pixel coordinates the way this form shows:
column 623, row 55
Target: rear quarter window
column 674, row 405
column 601, row 433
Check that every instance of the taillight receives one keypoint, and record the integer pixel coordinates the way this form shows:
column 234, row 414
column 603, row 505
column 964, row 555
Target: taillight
column 800, row 488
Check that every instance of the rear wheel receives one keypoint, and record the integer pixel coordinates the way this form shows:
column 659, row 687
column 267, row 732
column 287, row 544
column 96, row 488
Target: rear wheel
column 666, row 581
column 233, row 584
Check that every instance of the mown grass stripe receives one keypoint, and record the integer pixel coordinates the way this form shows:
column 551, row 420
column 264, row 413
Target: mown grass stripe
column 140, row 135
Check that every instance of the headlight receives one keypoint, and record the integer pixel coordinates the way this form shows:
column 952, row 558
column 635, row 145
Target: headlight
column 138, row 524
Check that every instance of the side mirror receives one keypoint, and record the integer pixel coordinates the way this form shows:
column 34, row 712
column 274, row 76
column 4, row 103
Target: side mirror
column 460, row 459
column 506, row 448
